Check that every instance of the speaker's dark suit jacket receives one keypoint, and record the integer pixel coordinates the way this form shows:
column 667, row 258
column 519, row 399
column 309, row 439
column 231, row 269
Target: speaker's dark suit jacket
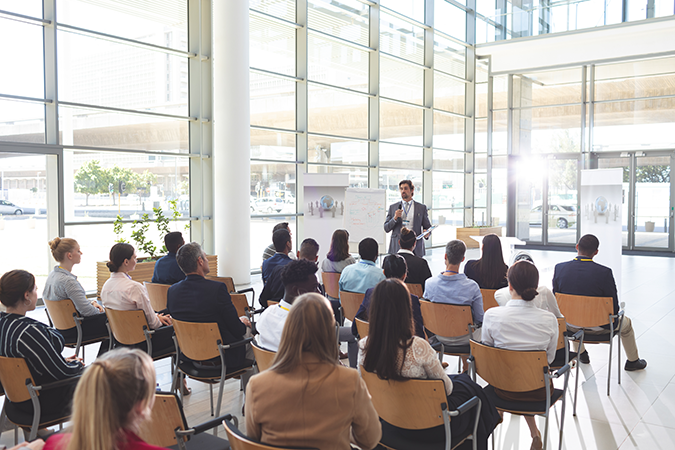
column 196, row 299
column 582, row 276
column 420, row 222
column 418, row 268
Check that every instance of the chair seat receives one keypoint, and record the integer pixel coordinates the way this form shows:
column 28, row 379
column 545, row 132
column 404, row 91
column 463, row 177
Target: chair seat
column 559, row 361
column 212, row 373
column 456, row 349
column 205, row 441
column 595, row 338
column 521, row 407
column 402, row 439
column 24, row 419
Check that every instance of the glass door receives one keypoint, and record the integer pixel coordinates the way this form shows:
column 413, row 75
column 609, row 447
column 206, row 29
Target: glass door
column 563, row 175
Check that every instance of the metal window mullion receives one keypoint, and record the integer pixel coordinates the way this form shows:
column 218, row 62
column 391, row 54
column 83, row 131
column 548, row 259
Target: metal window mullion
column 340, row 40
column 25, row 99
column 23, row 18
column 339, row 88
column 301, row 108
column 125, row 111
column 470, row 123
column 276, row 130
column 583, row 111
column 591, row 107
column 403, row 17
column 405, row 61
column 490, row 119
column 512, row 180
column 276, row 19
column 428, row 123
column 374, row 101
column 269, row 73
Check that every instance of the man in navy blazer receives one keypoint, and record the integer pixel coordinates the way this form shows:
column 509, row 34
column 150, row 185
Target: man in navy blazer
column 583, row 276
column 196, row 299
column 406, row 213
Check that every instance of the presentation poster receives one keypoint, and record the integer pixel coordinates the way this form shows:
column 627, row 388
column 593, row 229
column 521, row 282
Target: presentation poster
column 600, row 214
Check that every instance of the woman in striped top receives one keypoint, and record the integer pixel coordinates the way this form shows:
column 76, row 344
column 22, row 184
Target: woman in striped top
column 38, row 344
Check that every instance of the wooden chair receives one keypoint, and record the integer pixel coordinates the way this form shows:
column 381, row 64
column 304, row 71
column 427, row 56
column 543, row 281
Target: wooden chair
column 239, row 441
column 240, row 303
column 585, row 312
column 19, row 386
column 201, row 342
column 271, row 303
column 415, row 289
column 350, row 302
column 416, row 405
column 130, row 328
column 229, row 283
column 64, row 316
column 519, row 371
column 489, row 298
column 363, row 327
column 263, row 357
column 157, row 293
column 448, row 321
column 167, row 427
column 331, row 283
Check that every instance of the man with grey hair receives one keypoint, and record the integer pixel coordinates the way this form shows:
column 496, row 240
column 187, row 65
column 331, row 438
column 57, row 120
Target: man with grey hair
column 196, row 299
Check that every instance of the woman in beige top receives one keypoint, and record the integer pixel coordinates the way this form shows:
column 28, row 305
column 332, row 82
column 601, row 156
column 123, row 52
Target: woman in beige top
column 307, row 398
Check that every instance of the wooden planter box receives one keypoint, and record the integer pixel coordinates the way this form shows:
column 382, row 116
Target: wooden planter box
column 142, row 272
column 463, row 234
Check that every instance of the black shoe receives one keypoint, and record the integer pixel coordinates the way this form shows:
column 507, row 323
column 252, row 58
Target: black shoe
column 638, row 364
column 584, row 358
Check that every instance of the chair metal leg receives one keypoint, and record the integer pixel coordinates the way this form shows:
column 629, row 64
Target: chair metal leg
column 609, row 365
column 211, row 397
column 180, row 386
column 576, row 388
column 546, row 430
column 562, row 413
column 618, row 355
column 220, row 393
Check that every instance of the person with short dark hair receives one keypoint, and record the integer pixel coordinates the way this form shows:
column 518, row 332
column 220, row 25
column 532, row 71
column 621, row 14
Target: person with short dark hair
column 418, row 267
column 583, row 276
column 270, row 250
column 409, row 214
column 283, row 245
column 309, row 250
column 365, row 274
column 490, row 270
column 167, row 270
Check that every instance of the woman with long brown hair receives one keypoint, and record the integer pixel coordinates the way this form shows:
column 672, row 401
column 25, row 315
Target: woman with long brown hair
column 287, row 404
column 338, row 256
column 489, row 271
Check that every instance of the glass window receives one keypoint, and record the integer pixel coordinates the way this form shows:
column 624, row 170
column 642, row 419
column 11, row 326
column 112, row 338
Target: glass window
column 480, row 193
column 390, row 178
column 480, row 217
column 500, row 88
column 26, row 7
column 448, row 93
column 499, row 192
column 643, row 124
column 480, row 162
column 448, row 190
column 481, row 100
column 448, row 220
column 358, row 176
column 481, row 136
column 97, row 128
column 22, row 121
column 271, row 46
column 562, row 201
column 402, row 39
column 449, row 56
column 663, row 8
column 548, row 130
column 261, row 236
column 321, row 149
column 346, row 19
column 448, row 131
column 99, row 72
column 272, row 188
column 548, row 88
column 447, row 160
column 499, row 132
column 401, row 81
column 336, row 112
column 636, row 10
column 28, row 79
column 636, row 79
column 450, row 19
column 284, row 9
column 400, row 156
column 165, row 26
column 272, row 145
column 400, row 123
column 337, row 64
column 410, row 8
column 272, row 102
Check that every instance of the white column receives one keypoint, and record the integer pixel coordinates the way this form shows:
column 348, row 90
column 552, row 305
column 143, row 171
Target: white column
column 231, row 139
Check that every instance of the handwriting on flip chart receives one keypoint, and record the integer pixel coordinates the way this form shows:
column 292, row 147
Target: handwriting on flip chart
column 364, row 214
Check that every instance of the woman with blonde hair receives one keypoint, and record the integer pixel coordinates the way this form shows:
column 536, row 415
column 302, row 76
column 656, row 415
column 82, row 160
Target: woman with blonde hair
column 286, row 405
column 114, row 396
column 62, row 284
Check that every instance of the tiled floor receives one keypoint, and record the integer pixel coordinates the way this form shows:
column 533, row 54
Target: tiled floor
column 640, row 413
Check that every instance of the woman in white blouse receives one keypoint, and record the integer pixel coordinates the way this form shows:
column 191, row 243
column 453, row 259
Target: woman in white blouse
column 393, row 352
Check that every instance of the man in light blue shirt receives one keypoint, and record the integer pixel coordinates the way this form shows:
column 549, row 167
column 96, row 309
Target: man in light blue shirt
column 365, row 274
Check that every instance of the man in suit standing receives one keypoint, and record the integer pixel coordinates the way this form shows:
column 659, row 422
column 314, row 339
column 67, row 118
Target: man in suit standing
column 406, row 213
column 582, row 276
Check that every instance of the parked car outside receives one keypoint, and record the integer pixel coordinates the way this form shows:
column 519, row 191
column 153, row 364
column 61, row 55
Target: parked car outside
column 10, row 208
column 270, row 205
column 562, row 216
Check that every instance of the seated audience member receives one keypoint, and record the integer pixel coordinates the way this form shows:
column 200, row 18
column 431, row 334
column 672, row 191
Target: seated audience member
column 166, row 267
column 520, row 325
column 196, row 299
column 394, row 267
column 489, row 271
column 338, row 256
column 455, row 288
column 270, row 250
column 393, row 352
column 114, row 397
column 418, row 267
column 122, row 293
column 307, row 399
column 61, row 284
column 297, row 277
column 365, row 274
column 274, row 288
column 38, row 344
column 583, row 276
column 283, row 244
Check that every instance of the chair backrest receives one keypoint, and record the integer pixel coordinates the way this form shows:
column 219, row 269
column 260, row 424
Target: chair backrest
column 510, row 370
column 263, row 357
column 127, row 326
column 197, row 341
column 585, row 312
column 350, row 302
column 61, row 312
column 157, row 293
column 166, row 416
column 240, row 303
column 562, row 328
column 229, row 282
column 13, row 375
column 331, row 282
column 489, row 298
column 415, row 289
column 446, row 320
column 362, row 327
column 271, row 303
column 238, row 441
column 409, row 404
